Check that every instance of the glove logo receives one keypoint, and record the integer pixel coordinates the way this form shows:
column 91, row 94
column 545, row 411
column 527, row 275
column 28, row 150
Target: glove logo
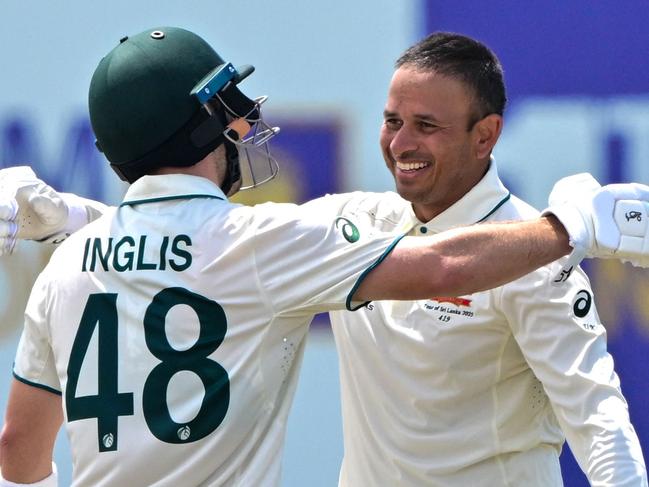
column 582, row 304
column 563, row 275
column 350, row 232
column 633, row 215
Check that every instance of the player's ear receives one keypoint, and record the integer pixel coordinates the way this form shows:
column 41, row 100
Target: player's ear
column 240, row 126
column 486, row 132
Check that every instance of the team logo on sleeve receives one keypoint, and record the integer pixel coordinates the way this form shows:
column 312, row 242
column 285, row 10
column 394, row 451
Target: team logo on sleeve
column 350, row 232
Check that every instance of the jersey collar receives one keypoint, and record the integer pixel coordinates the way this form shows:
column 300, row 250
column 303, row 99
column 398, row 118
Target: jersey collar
column 151, row 189
column 474, row 207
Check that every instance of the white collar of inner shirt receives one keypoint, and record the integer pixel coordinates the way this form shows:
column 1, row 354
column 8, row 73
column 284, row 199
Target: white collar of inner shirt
column 475, row 206
column 171, row 186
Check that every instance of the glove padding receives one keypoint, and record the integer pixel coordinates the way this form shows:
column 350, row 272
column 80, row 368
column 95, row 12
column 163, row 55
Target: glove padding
column 603, row 222
column 32, row 210
column 621, row 226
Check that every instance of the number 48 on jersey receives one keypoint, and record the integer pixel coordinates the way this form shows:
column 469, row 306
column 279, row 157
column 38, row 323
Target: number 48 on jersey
column 108, row 404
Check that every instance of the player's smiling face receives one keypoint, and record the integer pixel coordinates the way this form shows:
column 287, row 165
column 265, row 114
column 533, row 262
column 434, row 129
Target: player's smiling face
column 426, row 140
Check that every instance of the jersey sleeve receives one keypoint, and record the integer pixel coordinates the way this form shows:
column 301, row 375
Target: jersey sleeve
column 34, row 364
column 563, row 340
column 311, row 258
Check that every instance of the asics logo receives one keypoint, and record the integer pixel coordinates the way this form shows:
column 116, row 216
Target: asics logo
column 350, row 232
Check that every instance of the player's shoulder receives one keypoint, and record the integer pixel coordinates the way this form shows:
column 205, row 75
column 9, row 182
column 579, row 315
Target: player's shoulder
column 364, row 210
column 262, row 215
column 515, row 209
column 370, row 207
column 269, row 223
column 384, row 205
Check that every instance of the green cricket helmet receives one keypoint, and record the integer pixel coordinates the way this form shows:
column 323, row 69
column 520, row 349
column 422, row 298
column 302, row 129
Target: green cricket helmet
column 164, row 97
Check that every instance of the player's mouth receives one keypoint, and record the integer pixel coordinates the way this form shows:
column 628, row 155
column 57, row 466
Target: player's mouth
column 411, row 168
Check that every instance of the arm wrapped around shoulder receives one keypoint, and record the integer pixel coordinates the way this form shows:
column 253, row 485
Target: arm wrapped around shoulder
column 32, row 210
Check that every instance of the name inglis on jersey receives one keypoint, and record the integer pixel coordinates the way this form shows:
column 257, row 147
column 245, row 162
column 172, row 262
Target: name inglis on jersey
column 128, row 253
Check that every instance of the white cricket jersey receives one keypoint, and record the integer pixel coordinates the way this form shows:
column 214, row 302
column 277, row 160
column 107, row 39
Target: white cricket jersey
column 174, row 327
column 479, row 390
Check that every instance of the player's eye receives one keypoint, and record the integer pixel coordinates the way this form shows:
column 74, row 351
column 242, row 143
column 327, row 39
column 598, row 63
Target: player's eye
column 392, row 123
column 427, row 126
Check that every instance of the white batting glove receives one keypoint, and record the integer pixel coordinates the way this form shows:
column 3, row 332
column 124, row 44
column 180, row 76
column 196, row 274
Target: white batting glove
column 32, row 210
column 621, row 223
column 570, row 201
column 604, row 222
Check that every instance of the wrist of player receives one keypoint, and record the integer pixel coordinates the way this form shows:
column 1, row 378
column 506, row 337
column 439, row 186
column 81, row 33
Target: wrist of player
column 54, row 218
column 76, row 218
column 51, row 480
column 579, row 227
column 570, row 201
column 576, row 222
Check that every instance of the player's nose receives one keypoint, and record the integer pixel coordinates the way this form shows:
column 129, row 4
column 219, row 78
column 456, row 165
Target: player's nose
column 403, row 141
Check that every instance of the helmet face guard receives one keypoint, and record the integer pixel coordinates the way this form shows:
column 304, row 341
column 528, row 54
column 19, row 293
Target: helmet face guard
column 220, row 97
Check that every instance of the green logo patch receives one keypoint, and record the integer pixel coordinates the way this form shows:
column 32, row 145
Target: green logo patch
column 350, row 232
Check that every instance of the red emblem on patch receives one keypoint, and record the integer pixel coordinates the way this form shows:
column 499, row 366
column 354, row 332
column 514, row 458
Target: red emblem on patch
column 455, row 301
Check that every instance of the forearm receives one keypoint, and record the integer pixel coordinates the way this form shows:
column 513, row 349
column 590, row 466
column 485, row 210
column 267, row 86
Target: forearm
column 486, row 256
column 20, row 463
column 32, row 421
column 51, row 480
column 465, row 260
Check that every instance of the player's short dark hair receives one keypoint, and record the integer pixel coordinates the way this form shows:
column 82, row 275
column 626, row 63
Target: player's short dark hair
column 465, row 59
